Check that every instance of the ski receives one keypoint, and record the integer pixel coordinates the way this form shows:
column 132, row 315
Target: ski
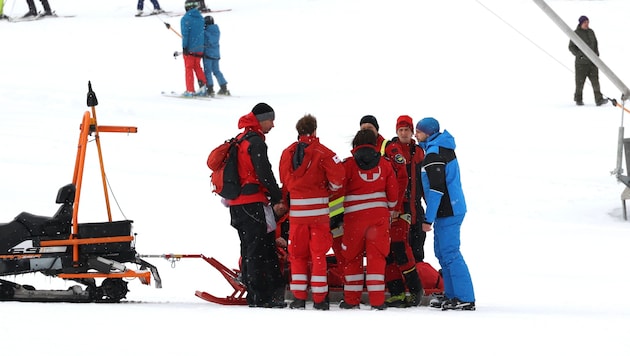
column 147, row 14
column 174, row 94
column 39, row 16
column 24, row 19
column 175, row 14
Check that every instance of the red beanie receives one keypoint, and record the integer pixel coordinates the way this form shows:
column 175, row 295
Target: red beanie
column 403, row 121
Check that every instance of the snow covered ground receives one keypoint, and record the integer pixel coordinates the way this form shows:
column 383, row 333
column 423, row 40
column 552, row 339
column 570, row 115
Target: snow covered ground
column 544, row 238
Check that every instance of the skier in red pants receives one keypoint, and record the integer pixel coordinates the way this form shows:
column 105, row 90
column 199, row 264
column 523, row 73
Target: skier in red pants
column 192, row 24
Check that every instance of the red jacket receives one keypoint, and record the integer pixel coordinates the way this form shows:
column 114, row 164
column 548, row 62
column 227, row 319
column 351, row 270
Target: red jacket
column 371, row 188
column 258, row 183
column 409, row 156
column 318, row 174
column 388, row 150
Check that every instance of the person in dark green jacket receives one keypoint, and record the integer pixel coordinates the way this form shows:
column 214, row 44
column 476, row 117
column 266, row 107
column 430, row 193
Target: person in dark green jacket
column 584, row 68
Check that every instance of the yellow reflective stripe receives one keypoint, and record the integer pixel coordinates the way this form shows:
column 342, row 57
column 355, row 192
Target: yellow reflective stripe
column 336, row 206
column 383, row 147
column 336, row 201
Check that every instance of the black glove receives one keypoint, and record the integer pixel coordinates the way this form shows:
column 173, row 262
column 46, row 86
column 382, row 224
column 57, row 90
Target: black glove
column 185, row 51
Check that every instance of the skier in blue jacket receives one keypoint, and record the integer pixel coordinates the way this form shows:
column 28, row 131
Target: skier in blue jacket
column 211, row 57
column 192, row 25
column 446, row 208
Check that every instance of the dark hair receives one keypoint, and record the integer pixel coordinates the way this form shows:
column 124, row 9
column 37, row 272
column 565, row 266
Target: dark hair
column 306, row 125
column 364, row 137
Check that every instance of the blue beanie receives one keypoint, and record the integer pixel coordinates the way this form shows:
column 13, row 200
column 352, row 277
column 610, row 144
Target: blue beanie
column 582, row 19
column 428, row 125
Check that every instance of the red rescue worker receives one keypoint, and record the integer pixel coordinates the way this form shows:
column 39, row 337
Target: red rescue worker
column 401, row 269
column 371, row 192
column 310, row 173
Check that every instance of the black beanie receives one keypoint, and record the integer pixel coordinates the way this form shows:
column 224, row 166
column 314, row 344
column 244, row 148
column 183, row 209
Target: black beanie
column 369, row 119
column 263, row 112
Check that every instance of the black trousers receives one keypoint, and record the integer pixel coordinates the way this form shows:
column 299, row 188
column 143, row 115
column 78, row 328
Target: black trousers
column 416, row 241
column 259, row 262
column 33, row 9
column 590, row 71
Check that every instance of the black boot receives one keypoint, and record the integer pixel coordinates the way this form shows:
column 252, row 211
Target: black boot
column 397, row 297
column 414, row 285
column 47, row 10
column 32, row 10
column 224, row 90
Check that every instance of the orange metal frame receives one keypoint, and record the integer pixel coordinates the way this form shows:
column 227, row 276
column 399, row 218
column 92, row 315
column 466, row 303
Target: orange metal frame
column 88, row 127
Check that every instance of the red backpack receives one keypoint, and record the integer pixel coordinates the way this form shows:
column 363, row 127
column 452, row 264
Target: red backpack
column 223, row 161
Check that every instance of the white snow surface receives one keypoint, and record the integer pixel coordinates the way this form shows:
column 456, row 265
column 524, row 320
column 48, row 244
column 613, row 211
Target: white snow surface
column 544, row 238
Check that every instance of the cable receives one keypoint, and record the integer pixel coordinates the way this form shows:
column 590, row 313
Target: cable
column 527, row 38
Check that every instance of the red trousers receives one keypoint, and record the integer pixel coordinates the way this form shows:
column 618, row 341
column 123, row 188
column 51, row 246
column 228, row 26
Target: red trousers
column 369, row 238
column 309, row 243
column 193, row 68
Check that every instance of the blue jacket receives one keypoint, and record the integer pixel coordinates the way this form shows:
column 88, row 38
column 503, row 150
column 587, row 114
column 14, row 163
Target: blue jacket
column 440, row 178
column 192, row 31
column 212, row 34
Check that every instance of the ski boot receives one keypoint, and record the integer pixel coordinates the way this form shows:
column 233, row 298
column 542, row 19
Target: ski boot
column 224, row 90
column 203, row 91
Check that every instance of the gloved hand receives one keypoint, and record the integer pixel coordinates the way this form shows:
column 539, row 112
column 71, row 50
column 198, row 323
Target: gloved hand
column 185, row 51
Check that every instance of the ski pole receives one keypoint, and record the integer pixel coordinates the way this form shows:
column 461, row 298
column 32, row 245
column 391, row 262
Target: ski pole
column 169, row 27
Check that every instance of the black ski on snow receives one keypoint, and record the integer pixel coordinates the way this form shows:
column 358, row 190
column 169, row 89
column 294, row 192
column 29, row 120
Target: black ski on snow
column 39, row 16
column 147, row 14
column 174, row 94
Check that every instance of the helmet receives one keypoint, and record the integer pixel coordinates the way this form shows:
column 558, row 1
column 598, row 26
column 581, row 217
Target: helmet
column 209, row 20
column 191, row 4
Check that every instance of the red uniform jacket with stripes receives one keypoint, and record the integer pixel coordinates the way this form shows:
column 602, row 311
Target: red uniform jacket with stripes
column 310, row 173
column 371, row 190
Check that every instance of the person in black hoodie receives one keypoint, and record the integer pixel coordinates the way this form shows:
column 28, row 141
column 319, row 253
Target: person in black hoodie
column 584, row 68
column 253, row 212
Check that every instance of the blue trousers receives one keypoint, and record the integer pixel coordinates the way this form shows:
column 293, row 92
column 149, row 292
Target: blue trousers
column 210, row 67
column 156, row 5
column 446, row 237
